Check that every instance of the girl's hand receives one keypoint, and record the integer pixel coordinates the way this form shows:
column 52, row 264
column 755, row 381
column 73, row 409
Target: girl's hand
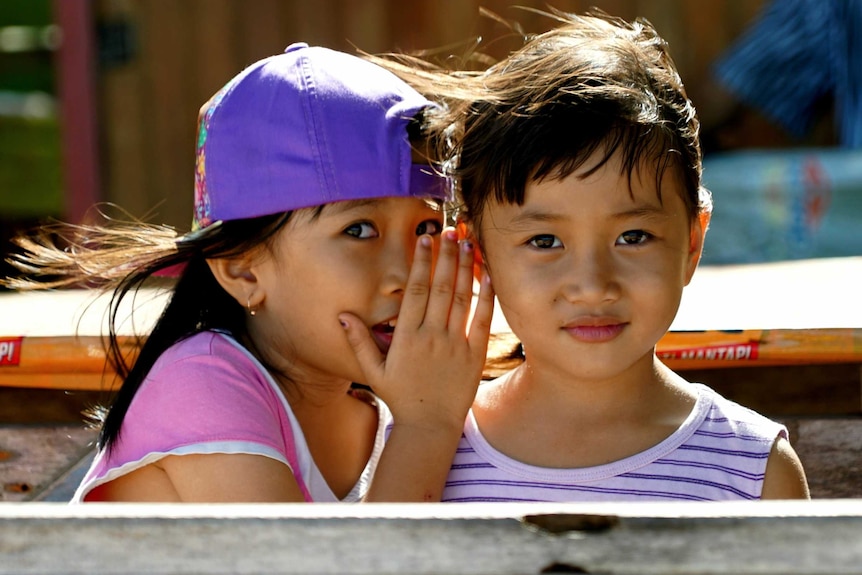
column 433, row 368
column 432, row 371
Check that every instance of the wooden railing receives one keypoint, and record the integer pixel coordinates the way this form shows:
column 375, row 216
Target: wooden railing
column 79, row 362
column 405, row 539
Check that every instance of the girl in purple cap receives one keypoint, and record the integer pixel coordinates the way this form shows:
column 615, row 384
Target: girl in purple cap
column 277, row 371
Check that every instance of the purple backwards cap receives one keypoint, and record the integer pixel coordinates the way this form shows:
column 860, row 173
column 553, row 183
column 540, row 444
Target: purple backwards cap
column 305, row 128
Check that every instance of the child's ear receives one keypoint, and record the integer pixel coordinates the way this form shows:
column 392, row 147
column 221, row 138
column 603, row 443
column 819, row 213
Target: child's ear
column 697, row 236
column 237, row 277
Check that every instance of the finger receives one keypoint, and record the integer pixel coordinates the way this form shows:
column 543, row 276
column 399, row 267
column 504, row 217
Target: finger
column 480, row 326
column 415, row 300
column 478, row 263
column 368, row 355
column 462, row 299
column 443, row 283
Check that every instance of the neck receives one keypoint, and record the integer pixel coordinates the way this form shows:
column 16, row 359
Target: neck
column 647, row 390
column 300, row 386
column 532, row 413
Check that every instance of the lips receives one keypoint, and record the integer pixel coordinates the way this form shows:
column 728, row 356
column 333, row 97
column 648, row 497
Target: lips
column 382, row 334
column 595, row 329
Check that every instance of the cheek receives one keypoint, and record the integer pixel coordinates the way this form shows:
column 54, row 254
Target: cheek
column 658, row 283
column 315, row 281
column 519, row 290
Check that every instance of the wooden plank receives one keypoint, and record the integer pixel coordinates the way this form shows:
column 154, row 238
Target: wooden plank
column 260, row 32
column 216, row 49
column 35, row 457
column 789, row 391
column 76, row 67
column 762, row 537
column 831, row 453
column 718, row 349
column 29, row 406
column 124, row 109
column 317, row 23
column 72, row 362
column 166, row 37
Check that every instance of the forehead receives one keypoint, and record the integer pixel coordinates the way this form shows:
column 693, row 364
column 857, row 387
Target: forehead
column 351, row 207
column 590, row 192
column 648, row 181
column 336, row 208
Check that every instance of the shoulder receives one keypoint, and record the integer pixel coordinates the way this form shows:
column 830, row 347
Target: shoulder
column 203, row 347
column 207, row 360
column 785, row 477
column 742, row 420
column 205, row 379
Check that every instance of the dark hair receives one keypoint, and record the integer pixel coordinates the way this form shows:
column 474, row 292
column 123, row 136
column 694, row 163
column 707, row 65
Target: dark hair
column 124, row 256
column 594, row 83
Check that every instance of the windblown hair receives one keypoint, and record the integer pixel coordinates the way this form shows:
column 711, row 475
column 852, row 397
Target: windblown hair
column 592, row 84
column 121, row 257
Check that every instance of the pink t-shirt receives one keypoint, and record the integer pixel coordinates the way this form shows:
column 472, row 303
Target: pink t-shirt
column 208, row 394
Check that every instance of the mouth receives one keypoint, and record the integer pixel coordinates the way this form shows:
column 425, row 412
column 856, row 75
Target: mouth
column 382, row 333
column 591, row 329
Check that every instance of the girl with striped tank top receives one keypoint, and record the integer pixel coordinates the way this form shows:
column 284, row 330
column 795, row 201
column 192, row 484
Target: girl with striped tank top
column 578, row 163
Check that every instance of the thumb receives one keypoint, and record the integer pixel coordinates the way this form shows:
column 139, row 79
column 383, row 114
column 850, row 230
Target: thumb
column 371, row 361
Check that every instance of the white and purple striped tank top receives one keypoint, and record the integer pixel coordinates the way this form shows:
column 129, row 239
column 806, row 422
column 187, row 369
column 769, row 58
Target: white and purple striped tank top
column 718, row 453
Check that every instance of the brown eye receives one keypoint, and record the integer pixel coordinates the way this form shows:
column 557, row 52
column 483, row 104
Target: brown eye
column 361, row 230
column 545, row 242
column 633, row 237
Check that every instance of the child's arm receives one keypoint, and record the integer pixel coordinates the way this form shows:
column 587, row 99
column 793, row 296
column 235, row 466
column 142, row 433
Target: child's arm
column 785, row 478
column 210, row 478
column 432, row 371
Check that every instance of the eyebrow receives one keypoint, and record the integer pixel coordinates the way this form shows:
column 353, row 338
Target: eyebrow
column 645, row 211
column 535, row 216
column 531, row 216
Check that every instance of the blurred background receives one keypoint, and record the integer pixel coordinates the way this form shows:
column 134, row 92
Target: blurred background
column 99, row 101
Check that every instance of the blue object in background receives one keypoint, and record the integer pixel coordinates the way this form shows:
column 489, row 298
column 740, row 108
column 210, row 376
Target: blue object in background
column 784, row 205
column 797, row 53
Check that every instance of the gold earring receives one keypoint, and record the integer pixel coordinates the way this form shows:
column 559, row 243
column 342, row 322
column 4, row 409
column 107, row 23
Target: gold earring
column 251, row 311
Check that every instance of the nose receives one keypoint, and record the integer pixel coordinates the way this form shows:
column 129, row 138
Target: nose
column 396, row 259
column 591, row 277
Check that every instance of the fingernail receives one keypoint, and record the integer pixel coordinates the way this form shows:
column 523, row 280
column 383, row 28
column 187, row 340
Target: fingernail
column 466, row 245
column 425, row 241
column 450, row 235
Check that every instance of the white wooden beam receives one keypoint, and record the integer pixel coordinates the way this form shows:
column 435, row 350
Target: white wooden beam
column 693, row 538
